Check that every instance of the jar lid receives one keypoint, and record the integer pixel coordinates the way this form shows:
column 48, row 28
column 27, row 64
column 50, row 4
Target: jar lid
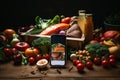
column 81, row 12
column 88, row 15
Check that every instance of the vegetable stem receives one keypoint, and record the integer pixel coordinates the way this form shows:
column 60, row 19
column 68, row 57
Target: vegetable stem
column 24, row 59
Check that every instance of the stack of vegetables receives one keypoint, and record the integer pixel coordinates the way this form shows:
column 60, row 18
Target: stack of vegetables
column 13, row 47
column 103, row 49
column 57, row 25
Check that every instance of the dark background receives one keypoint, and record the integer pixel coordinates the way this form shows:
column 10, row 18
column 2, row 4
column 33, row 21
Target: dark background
column 15, row 13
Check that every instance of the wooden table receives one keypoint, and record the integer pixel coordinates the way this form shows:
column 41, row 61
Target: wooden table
column 8, row 71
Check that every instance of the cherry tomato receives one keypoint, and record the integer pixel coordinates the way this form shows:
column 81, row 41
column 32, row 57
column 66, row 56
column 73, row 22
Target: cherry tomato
column 112, row 62
column 14, row 50
column 66, row 20
column 38, row 57
column 46, row 56
column 80, row 67
column 8, row 51
column 111, row 56
column 89, row 64
column 31, row 60
column 77, row 62
column 105, row 63
column 97, row 61
column 74, row 62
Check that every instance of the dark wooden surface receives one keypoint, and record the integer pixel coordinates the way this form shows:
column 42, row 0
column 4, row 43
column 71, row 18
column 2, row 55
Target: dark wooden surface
column 8, row 71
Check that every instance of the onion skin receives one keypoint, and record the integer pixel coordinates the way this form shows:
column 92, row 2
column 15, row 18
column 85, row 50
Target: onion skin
column 22, row 46
column 62, row 32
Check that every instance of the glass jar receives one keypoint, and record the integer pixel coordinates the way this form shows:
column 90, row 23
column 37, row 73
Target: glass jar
column 89, row 27
column 82, row 22
column 86, row 25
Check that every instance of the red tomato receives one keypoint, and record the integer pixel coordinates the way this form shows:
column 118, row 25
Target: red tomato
column 66, row 20
column 46, row 56
column 89, row 64
column 14, row 50
column 80, row 67
column 8, row 51
column 105, row 63
column 112, row 62
column 31, row 51
column 74, row 62
column 38, row 57
column 111, row 56
column 77, row 62
column 97, row 61
column 31, row 60
column 22, row 46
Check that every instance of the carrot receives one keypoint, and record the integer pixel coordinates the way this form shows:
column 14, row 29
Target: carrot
column 54, row 28
column 59, row 48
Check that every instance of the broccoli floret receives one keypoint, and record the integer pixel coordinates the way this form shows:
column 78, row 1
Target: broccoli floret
column 87, row 47
column 94, row 45
column 91, row 50
column 97, row 49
